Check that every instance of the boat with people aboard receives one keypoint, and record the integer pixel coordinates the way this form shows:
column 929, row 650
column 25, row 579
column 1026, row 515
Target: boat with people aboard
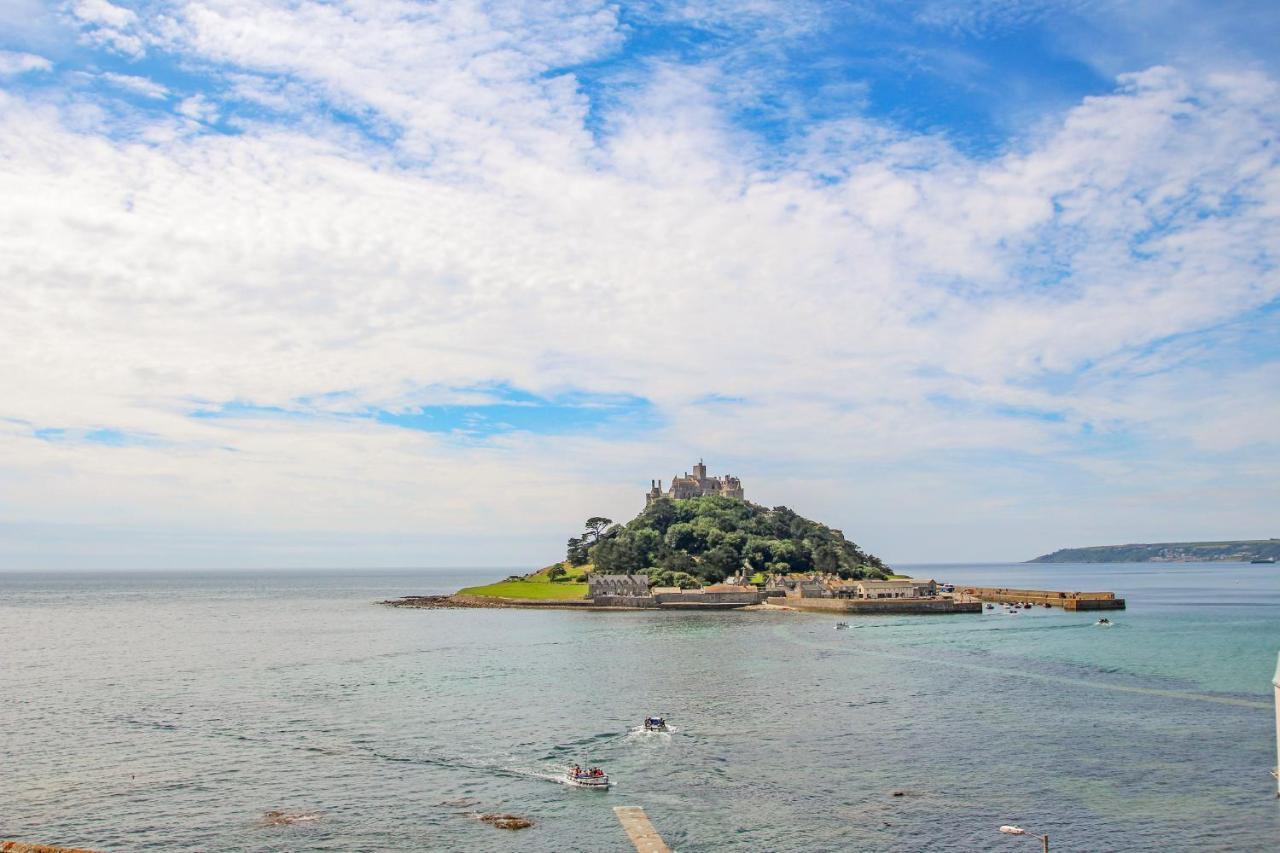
column 1104, row 622
column 593, row 778
column 841, row 625
column 655, row 724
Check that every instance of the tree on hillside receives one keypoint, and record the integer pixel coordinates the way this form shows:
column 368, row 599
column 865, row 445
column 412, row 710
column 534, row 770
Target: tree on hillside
column 682, row 537
column 663, row 577
column 718, row 563
column 596, row 525
column 555, row 573
column 826, row 558
column 660, row 515
column 616, row 555
column 677, row 561
column 576, row 552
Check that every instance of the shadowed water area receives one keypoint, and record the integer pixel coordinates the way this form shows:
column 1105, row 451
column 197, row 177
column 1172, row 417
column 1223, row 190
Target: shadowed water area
column 149, row 711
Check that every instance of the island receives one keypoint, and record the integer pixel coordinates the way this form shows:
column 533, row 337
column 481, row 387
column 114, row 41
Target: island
column 1235, row 551
column 701, row 545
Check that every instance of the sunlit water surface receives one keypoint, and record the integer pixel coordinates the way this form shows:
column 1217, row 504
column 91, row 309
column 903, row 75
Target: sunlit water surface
column 152, row 711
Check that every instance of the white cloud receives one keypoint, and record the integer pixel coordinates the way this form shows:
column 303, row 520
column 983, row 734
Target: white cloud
column 108, row 25
column 880, row 300
column 12, row 62
column 141, row 85
column 198, row 108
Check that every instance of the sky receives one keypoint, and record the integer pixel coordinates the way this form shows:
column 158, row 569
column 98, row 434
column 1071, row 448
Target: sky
column 388, row 283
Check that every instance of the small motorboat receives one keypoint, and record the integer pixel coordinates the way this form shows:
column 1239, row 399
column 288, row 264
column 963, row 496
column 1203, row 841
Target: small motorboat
column 991, row 607
column 1026, row 606
column 1104, row 621
column 841, row 625
column 593, row 778
column 1047, row 604
column 655, row 724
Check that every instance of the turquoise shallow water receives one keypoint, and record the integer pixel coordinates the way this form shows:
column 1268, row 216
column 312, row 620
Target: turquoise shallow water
column 169, row 711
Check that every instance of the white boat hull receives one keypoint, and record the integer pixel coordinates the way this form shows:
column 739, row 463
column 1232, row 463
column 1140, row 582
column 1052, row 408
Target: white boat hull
column 588, row 781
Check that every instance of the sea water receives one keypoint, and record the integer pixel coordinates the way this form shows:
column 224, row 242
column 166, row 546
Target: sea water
column 167, row 711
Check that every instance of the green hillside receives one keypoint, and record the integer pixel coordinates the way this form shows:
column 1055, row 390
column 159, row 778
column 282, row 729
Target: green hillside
column 558, row 582
column 1240, row 550
column 706, row 539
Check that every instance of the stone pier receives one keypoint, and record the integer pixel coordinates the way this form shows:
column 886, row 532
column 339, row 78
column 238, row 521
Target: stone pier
column 640, row 830
column 1065, row 600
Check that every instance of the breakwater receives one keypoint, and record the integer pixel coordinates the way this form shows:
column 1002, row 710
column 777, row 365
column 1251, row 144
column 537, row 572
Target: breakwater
column 1054, row 598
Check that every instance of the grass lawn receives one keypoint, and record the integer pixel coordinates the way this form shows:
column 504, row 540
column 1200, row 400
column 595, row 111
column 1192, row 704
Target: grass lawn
column 536, row 585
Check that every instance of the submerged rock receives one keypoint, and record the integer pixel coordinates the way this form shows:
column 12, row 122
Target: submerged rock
column 429, row 602
column 506, row 821
column 277, row 818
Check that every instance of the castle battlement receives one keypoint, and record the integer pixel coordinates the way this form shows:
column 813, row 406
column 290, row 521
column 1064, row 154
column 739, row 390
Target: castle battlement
column 695, row 485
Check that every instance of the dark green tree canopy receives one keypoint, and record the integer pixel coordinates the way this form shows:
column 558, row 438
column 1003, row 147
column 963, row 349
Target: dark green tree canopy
column 595, row 526
column 710, row 538
column 576, row 551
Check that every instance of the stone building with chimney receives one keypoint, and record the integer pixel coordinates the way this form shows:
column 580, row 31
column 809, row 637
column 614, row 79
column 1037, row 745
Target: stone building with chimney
column 695, row 485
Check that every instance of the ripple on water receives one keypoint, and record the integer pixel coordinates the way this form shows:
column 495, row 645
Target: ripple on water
column 188, row 724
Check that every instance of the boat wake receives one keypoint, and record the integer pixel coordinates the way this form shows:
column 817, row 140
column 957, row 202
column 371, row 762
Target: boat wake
column 642, row 734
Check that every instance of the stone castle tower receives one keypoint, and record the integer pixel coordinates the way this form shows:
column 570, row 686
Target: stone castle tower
column 695, row 485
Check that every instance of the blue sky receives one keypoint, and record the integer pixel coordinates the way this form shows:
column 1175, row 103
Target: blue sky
column 967, row 280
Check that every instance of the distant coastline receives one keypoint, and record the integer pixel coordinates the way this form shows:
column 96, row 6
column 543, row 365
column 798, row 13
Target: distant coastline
column 1226, row 551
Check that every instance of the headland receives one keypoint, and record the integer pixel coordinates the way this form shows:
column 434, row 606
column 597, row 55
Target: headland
column 1227, row 551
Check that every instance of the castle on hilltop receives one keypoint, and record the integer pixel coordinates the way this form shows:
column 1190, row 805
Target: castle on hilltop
column 695, row 485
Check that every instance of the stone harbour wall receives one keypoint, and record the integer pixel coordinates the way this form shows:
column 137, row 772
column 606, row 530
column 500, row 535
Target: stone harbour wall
column 1054, row 598
column 643, row 601
column 870, row 606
